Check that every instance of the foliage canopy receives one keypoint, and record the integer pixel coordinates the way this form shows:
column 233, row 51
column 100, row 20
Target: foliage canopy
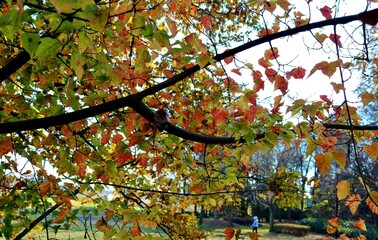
column 151, row 100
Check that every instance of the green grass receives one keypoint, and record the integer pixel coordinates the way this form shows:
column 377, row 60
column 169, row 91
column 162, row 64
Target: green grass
column 214, row 232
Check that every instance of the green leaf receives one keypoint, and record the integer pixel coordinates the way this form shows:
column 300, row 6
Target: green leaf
column 30, row 42
column 48, row 48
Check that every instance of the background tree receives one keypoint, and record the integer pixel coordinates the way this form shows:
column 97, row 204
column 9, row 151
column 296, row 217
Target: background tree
column 123, row 95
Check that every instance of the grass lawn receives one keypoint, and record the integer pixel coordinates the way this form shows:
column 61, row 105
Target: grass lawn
column 213, row 227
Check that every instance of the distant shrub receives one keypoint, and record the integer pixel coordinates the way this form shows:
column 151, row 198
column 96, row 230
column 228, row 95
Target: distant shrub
column 318, row 225
column 291, row 229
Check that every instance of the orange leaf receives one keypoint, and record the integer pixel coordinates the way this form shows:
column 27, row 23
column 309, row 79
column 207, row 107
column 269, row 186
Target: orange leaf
column 44, row 188
column 61, row 215
column 367, row 97
column 253, row 235
column 360, row 225
column 264, row 33
column 78, row 157
column 340, row 158
column 297, row 73
column 343, row 189
column 321, row 37
column 135, row 230
column 337, row 87
column 6, row 146
column 325, row 99
column 327, row 68
column 331, row 230
column 81, row 170
column 353, row 201
column 264, row 63
column 270, row 6
column 271, row 53
column 371, row 150
column 229, row 233
column 197, row 188
column 372, row 203
column 336, row 39
column 206, row 22
column 104, row 138
column 334, row 222
column 326, row 12
column 117, row 138
column 323, row 162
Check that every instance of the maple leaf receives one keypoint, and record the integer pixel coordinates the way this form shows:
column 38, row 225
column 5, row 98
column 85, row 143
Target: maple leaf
column 135, row 230
column 323, row 162
column 5, row 146
column 367, row 97
column 271, row 53
column 123, row 157
column 353, row 201
column 337, row 87
column 44, row 188
column 343, row 189
column 270, row 6
column 264, row 63
column 229, row 233
column 206, row 22
column 62, row 214
column 325, row 99
column 327, row 68
column 220, row 116
column 297, row 73
column 326, row 12
column 336, row 39
column 360, row 225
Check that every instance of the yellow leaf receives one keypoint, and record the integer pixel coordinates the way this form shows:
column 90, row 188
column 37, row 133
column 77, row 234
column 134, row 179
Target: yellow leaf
column 360, row 225
column 343, row 189
column 323, row 162
column 321, row 37
column 245, row 159
column 372, row 150
column 340, row 158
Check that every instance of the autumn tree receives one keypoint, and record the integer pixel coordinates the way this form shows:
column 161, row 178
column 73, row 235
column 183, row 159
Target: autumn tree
column 124, row 95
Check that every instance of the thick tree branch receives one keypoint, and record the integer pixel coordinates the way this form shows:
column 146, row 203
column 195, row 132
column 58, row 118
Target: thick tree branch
column 349, row 127
column 13, row 65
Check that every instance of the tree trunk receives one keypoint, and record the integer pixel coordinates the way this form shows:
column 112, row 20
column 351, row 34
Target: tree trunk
column 271, row 217
column 216, row 214
column 229, row 216
column 202, row 212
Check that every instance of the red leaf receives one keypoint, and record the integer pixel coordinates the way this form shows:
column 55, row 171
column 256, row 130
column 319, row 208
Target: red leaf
column 206, row 22
column 117, row 138
column 326, row 12
column 297, row 73
column 78, row 157
column 325, row 99
column 370, row 17
column 229, row 233
column 264, row 63
column 134, row 139
column 61, row 215
column 236, row 71
column 271, row 74
column 81, row 170
column 123, row 157
column 6, row 146
column 220, row 116
column 336, row 39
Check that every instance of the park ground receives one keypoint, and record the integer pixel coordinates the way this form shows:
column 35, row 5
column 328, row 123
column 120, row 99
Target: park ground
column 215, row 228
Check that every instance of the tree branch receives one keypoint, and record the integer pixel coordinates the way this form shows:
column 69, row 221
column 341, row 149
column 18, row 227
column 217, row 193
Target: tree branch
column 13, row 65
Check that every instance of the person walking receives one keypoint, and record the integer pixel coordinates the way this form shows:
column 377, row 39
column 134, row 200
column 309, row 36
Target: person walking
column 255, row 224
